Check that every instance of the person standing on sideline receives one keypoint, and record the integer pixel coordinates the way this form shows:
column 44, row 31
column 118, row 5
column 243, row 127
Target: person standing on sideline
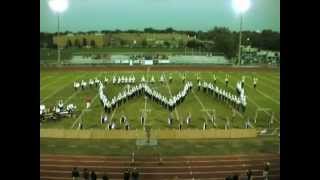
column 135, row 174
column 126, row 175
column 88, row 102
column 255, row 80
column 249, row 174
column 75, row 174
column 265, row 172
column 85, row 174
column 93, row 176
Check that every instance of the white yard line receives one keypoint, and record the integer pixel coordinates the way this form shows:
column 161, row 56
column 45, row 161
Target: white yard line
column 58, row 90
column 175, row 109
column 83, row 111
column 267, row 96
column 198, row 99
column 53, row 82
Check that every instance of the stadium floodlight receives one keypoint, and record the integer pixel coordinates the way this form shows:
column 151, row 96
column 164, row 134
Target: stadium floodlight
column 240, row 6
column 58, row 6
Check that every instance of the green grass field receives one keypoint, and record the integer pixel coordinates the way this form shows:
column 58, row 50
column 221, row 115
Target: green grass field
column 164, row 148
column 56, row 85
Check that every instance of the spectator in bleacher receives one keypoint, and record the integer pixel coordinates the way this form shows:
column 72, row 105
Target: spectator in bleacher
column 93, row 175
column 235, row 177
column 135, row 174
column 126, row 175
column 85, row 174
column 75, row 174
column 105, row 177
column 229, row 178
column 249, row 174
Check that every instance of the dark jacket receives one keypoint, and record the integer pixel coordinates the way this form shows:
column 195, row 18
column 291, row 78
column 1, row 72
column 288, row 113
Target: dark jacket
column 126, row 175
column 105, row 177
column 135, row 175
column 75, row 173
column 93, row 176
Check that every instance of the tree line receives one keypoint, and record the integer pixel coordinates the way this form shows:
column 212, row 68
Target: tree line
column 217, row 39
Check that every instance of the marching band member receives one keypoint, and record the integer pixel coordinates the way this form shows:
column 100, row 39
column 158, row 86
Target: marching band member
column 88, row 102
column 126, row 80
column 152, row 79
column 161, row 79
column 142, row 79
column 96, row 81
column 214, row 78
column 204, row 127
column 114, row 80
column 227, row 80
column 119, row 80
column 242, row 81
column 106, row 80
column 170, row 78
column 255, row 80
column 91, row 82
column 60, row 105
column 189, row 119
column 184, row 78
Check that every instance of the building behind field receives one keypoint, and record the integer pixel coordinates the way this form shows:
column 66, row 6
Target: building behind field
column 80, row 40
column 168, row 40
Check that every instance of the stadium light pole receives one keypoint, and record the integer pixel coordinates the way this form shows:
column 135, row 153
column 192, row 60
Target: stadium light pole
column 58, row 7
column 240, row 6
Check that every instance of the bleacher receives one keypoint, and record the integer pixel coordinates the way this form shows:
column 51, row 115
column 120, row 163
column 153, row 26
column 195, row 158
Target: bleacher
column 59, row 167
column 198, row 60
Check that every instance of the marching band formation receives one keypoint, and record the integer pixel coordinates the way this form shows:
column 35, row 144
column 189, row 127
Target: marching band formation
column 238, row 102
column 143, row 89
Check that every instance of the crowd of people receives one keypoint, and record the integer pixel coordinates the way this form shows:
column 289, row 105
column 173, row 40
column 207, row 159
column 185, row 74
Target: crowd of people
column 87, row 175
column 143, row 89
column 134, row 174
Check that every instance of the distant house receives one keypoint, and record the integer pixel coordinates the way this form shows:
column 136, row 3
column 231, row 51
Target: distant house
column 97, row 40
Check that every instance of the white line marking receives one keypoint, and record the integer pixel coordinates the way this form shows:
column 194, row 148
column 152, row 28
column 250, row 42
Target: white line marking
column 265, row 95
column 175, row 109
column 53, row 82
column 198, row 99
column 85, row 110
column 58, row 90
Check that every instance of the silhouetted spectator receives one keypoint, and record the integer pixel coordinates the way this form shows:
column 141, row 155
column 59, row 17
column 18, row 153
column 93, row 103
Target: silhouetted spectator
column 85, row 174
column 235, row 177
column 249, row 174
column 126, row 175
column 75, row 173
column 135, row 174
column 229, row 178
column 266, row 169
column 93, row 175
column 105, row 177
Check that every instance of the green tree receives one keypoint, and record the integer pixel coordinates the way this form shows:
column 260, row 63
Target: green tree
column 224, row 41
column 93, row 43
column 69, row 43
column 84, row 42
column 166, row 44
column 77, row 43
column 144, row 43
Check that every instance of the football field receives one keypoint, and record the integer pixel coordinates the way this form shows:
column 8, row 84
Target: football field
column 262, row 102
